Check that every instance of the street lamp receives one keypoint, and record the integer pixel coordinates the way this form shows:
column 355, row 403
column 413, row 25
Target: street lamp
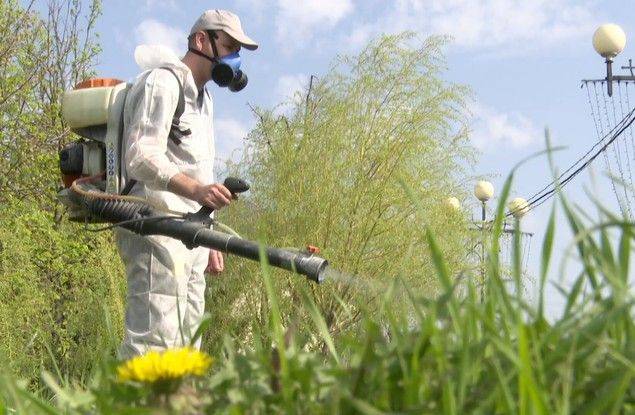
column 452, row 204
column 609, row 41
column 518, row 207
column 483, row 191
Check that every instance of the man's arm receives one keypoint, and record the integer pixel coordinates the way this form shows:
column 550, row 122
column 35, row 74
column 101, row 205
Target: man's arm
column 146, row 158
column 151, row 110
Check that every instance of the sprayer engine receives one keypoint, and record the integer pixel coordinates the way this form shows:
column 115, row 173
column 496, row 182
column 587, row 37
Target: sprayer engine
column 94, row 111
column 82, row 158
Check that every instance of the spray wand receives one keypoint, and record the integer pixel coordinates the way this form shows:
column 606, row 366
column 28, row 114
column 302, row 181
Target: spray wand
column 193, row 229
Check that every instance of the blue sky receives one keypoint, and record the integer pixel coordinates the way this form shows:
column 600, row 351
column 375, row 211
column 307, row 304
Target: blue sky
column 524, row 60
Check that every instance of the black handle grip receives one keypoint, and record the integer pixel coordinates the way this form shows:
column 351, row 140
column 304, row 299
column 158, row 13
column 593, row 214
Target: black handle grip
column 205, row 211
column 234, row 185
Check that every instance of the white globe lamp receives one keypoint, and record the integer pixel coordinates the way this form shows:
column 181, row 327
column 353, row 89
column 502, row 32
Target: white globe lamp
column 609, row 40
column 452, row 204
column 483, row 191
column 518, row 207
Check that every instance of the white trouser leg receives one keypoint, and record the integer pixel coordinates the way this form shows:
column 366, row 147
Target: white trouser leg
column 196, row 291
column 159, row 271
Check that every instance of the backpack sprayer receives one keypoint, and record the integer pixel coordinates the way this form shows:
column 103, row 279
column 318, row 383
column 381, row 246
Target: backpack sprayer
column 91, row 173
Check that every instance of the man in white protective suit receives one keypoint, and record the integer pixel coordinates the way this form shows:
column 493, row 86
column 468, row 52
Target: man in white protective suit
column 169, row 161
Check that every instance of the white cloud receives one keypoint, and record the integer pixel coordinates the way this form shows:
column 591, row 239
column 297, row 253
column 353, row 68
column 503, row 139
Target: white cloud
column 122, row 38
column 152, row 32
column 254, row 8
column 297, row 21
column 161, row 4
column 359, row 36
column 228, row 135
column 486, row 24
column 490, row 23
column 491, row 128
column 288, row 85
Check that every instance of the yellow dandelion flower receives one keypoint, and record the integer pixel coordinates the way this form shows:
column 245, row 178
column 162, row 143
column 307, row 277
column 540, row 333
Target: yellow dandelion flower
column 170, row 364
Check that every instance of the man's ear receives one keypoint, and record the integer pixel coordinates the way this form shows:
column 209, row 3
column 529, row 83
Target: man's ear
column 200, row 40
column 196, row 41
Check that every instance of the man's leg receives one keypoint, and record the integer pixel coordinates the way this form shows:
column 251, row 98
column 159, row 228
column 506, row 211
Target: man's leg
column 157, row 292
column 196, row 291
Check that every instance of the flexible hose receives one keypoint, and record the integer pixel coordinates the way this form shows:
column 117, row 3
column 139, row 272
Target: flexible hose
column 89, row 194
column 117, row 211
column 132, row 207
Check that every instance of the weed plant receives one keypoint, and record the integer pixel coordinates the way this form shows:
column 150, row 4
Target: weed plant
column 456, row 354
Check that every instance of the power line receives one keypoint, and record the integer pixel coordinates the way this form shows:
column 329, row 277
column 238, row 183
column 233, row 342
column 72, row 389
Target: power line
column 549, row 190
column 583, row 156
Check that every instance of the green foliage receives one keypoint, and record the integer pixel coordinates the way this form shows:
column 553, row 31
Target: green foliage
column 456, row 353
column 58, row 285
column 358, row 164
column 56, row 282
column 40, row 58
column 324, row 172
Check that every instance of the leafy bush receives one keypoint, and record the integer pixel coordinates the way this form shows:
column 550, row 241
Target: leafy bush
column 42, row 56
column 55, row 280
column 58, row 285
column 324, row 172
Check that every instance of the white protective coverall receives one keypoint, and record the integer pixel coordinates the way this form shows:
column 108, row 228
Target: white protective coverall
column 166, row 283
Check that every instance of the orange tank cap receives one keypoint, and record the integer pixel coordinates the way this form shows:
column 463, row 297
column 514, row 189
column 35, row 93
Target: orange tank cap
column 98, row 82
column 312, row 249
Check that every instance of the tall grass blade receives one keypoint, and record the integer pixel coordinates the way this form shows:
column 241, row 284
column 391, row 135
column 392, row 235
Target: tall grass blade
column 587, row 249
column 625, row 253
column 531, row 398
column 319, row 322
column 276, row 323
column 206, row 321
column 547, row 249
column 364, row 407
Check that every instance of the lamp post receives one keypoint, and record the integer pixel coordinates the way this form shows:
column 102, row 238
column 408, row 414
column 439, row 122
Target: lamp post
column 609, row 41
column 483, row 191
column 518, row 208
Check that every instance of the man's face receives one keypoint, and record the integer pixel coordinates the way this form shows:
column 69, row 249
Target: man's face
column 225, row 44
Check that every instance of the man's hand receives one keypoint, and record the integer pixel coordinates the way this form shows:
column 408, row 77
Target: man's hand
column 215, row 263
column 213, row 195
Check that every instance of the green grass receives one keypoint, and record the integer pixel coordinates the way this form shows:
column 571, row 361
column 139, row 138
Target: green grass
column 455, row 353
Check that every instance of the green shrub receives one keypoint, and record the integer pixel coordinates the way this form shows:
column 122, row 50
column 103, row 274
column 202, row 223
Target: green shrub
column 43, row 55
column 463, row 354
column 325, row 173
column 58, row 283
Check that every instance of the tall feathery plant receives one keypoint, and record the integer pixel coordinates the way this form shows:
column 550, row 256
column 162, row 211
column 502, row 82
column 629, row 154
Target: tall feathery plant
column 324, row 166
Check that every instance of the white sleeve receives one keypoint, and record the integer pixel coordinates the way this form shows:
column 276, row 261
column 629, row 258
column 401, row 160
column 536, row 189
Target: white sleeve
column 151, row 116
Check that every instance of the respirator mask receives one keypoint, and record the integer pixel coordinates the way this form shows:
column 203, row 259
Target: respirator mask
column 226, row 69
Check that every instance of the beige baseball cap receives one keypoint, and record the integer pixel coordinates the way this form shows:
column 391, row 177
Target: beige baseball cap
column 226, row 21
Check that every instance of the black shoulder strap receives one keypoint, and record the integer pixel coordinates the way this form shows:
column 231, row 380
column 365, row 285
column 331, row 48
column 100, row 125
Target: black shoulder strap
column 176, row 133
column 129, row 185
